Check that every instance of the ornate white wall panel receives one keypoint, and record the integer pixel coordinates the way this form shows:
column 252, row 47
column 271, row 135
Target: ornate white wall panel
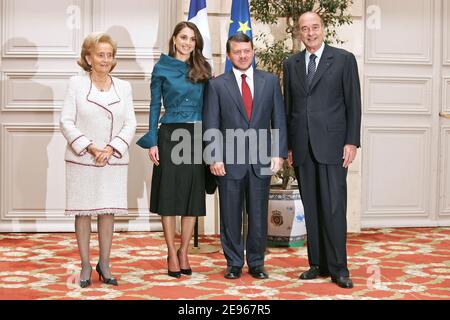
column 34, row 91
column 405, row 34
column 397, row 182
column 59, row 24
column 445, row 171
column 399, row 95
column 35, row 190
column 446, row 32
column 446, row 94
column 145, row 35
column 139, row 174
column 40, row 42
column 407, row 83
column 33, row 175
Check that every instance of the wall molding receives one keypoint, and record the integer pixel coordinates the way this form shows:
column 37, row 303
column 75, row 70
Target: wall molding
column 18, row 51
column 424, row 57
column 444, row 172
column 6, row 172
column 445, row 94
column 8, row 213
column 36, row 78
column 446, row 33
column 168, row 12
column 140, row 104
column 421, row 210
column 153, row 223
column 419, row 82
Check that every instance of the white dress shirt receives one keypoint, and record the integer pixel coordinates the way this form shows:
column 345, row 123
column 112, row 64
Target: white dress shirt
column 249, row 79
column 318, row 54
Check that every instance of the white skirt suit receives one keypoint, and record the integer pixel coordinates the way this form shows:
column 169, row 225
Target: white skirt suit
column 100, row 118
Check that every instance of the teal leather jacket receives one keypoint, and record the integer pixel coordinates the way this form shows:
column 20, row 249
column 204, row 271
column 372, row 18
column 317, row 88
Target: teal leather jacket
column 182, row 99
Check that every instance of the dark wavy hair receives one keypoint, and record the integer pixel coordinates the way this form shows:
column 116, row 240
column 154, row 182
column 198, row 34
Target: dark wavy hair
column 199, row 68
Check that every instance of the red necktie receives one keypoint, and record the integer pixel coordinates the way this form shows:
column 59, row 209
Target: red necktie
column 247, row 97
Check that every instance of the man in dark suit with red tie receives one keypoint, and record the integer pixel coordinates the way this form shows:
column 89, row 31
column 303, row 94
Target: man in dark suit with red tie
column 245, row 107
column 323, row 107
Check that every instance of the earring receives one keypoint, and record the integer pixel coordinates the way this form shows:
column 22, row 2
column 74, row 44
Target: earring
column 174, row 48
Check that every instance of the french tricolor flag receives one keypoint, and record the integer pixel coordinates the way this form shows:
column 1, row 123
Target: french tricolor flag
column 199, row 16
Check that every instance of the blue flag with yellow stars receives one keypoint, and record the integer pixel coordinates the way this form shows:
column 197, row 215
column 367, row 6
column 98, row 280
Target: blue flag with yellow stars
column 240, row 22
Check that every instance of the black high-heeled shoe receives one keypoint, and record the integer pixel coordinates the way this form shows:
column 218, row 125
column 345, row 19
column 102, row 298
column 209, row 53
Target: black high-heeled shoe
column 175, row 274
column 86, row 283
column 102, row 278
column 187, row 272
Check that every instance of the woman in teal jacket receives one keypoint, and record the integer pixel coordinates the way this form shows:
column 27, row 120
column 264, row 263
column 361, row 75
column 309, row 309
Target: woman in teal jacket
column 178, row 189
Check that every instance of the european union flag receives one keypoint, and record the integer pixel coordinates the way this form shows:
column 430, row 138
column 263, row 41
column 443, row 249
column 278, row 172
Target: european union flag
column 240, row 22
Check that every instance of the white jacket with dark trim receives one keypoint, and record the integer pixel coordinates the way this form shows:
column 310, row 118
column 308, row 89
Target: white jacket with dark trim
column 86, row 119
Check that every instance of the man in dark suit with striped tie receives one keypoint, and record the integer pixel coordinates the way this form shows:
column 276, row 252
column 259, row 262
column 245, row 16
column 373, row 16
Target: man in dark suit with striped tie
column 323, row 107
column 245, row 106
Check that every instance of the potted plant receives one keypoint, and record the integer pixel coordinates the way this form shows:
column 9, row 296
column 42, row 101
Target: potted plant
column 285, row 13
column 286, row 214
column 286, row 225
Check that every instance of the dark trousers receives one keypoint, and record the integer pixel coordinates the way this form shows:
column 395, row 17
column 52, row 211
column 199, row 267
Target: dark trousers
column 323, row 189
column 231, row 194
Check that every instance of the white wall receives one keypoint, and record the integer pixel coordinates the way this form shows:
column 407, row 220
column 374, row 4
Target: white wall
column 40, row 42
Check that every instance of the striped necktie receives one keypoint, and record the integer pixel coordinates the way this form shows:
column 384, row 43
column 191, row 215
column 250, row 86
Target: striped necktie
column 311, row 69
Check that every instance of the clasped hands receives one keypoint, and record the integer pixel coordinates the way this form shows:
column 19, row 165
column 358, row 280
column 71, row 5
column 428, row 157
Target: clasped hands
column 101, row 155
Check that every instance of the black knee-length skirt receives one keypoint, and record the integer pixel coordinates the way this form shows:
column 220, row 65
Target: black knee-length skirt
column 178, row 189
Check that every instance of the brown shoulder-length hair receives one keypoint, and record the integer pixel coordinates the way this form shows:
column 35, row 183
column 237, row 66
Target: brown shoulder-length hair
column 200, row 70
column 88, row 48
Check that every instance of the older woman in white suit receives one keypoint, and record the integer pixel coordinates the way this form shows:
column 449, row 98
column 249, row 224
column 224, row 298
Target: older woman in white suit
column 99, row 123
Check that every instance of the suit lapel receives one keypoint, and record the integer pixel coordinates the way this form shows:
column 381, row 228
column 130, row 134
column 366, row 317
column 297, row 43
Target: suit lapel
column 325, row 62
column 233, row 89
column 300, row 68
column 258, row 92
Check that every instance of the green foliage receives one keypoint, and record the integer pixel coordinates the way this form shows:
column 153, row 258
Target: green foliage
column 286, row 174
column 270, row 58
column 333, row 12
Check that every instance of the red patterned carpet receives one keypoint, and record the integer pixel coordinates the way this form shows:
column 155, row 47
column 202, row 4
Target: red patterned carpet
column 411, row 263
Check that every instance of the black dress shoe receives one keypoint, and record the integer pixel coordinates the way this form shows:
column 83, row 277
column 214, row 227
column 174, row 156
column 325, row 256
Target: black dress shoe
column 313, row 273
column 187, row 271
column 343, row 282
column 258, row 272
column 233, row 273
column 86, row 283
column 102, row 278
column 175, row 274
